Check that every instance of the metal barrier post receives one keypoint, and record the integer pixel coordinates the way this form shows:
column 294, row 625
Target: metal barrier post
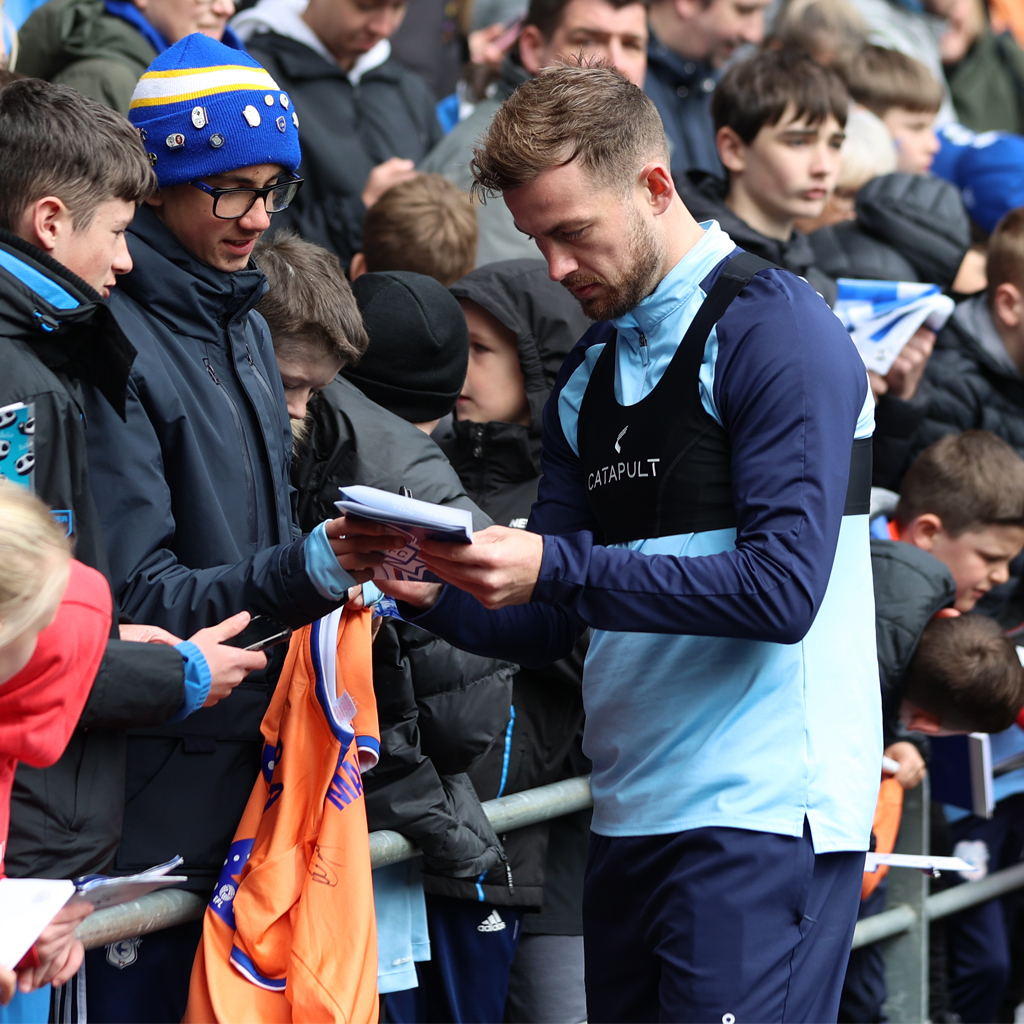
column 906, row 955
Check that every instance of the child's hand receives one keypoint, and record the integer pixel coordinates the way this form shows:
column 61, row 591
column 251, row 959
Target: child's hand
column 228, row 665
column 8, row 985
column 360, row 545
column 60, row 953
column 912, row 766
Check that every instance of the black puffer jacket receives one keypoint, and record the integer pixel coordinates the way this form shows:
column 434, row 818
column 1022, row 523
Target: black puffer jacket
column 910, row 587
column 499, row 463
column 974, row 383
column 66, row 819
column 704, row 196
column 439, row 708
column 347, row 129
column 909, row 227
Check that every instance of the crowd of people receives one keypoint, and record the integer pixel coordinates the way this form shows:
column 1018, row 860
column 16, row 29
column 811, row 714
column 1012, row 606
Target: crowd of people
column 567, row 266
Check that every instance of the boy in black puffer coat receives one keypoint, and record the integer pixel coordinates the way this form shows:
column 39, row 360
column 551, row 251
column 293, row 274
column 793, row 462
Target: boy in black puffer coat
column 440, row 709
column 521, row 327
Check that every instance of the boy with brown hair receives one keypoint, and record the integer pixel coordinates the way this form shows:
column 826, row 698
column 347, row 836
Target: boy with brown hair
column 962, row 500
column 779, row 121
column 904, row 94
column 427, row 225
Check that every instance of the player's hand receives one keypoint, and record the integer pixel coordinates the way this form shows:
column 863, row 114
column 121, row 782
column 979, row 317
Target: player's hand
column 499, row 568
column 147, row 634
column 912, row 766
column 228, row 665
column 384, row 176
column 60, row 953
column 906, row 372
column 361, row 545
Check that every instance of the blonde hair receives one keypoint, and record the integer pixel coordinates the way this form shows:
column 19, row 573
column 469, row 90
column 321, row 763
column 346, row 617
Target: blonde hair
column 34, row 555
column 868, row 150
column 880, row 78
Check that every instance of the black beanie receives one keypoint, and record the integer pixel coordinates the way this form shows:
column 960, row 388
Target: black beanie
column 416, row 362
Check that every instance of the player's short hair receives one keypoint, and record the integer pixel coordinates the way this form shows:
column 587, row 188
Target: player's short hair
column 759, row 90
column 57, row 142
column 970, row 481
column 426, row 225
column 966, row 672
column 34, row 553
column 310, row 305
column 592, row 114
column 1005, row 253
column 879, row 78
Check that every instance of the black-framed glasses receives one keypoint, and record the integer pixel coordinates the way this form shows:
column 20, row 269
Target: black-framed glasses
column 232, row 203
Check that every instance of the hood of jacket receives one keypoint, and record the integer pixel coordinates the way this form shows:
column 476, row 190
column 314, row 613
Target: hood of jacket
column 499, row 463
column 847, row 250
column 972, row 332
column 910, row 585
column 62, row 32
column 188, row 296
column 65, row 322
column 704, row 195
column 920, row 216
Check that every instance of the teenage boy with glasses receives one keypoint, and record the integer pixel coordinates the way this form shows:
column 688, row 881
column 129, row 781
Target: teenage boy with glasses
column 192, row 489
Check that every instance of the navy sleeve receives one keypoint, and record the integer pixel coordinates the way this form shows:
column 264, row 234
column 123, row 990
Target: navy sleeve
column 789, row 386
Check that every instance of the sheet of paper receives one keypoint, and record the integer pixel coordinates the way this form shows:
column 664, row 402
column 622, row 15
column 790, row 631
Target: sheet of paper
column 872, row 861
column 27, row 906
column 107, row 891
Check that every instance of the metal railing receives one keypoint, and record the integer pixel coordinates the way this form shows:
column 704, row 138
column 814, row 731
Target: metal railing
column 168, row 907
column 903, row 928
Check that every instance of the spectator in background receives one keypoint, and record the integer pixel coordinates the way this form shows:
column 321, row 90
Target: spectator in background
column 826, row 30
column 192, row 485
column 904, row 94
column 367, row 119
column 426, row 225
column 691, row 41
column 614, row 31
column 985, row 71
column 779, row 120
column 903, row 25
column 102, row 49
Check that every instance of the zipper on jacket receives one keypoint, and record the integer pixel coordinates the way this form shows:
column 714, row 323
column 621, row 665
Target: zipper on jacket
column 259, row 376
column 645, row 358
column 250, row 477
column 478, row 441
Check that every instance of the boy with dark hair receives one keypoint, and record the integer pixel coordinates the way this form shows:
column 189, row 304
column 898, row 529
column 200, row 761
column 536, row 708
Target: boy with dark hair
column 427, row 225
column 779, row 121
column 904, row 94
column 965, row 676
column 192, row 485
column 440, row 709
column 963, row 501
column 70, row 178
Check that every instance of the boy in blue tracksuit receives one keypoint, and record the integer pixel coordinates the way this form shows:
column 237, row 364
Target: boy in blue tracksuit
column 703, row 508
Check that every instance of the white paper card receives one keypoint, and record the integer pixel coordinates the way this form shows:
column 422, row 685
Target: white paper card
column 27, row 906
column 872, row 861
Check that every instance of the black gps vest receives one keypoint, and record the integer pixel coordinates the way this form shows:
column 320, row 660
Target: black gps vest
column 662, row 467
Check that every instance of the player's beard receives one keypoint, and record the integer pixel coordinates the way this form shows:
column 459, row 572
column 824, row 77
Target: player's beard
column 644, row 260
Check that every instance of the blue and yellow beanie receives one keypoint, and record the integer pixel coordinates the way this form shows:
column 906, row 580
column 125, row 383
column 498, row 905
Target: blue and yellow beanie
column 203, row 108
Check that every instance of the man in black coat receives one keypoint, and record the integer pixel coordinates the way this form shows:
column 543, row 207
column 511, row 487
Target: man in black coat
column 366, row 119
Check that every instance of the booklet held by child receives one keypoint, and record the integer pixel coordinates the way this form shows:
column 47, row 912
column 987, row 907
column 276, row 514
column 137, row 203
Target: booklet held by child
column 415, row 520
column 108, row 891
column 882, row 316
